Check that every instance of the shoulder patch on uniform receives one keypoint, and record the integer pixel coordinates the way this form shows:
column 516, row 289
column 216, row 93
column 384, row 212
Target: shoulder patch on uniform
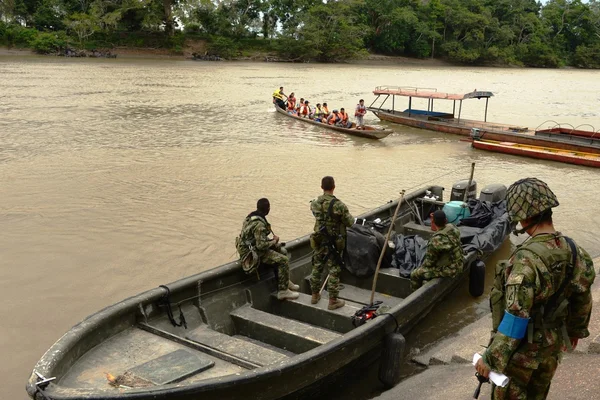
column 515, row 279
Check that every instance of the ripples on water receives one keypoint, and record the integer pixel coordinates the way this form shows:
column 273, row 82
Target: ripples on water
column 117, row 176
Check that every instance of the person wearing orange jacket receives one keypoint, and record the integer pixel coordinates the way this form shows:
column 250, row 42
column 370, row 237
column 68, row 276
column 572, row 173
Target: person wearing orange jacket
column 344, row 123
column 291, row 103
column 334, row 118
column 304, row 110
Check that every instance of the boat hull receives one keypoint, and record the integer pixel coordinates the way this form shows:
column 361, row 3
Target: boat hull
column 209, row 298
column 539, row 153
column 368, row 132
column 487, row 131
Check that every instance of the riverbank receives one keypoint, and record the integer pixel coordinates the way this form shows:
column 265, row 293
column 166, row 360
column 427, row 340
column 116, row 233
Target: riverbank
column 449, row 370
column 199, row 48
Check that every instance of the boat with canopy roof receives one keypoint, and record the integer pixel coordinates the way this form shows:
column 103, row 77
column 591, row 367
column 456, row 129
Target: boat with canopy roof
column 452, row 122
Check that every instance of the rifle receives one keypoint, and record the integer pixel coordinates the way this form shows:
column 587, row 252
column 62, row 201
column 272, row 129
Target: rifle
column 481, row 380
column 331, row 246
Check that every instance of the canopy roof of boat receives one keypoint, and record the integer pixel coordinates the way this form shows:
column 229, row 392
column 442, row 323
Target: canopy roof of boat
column 429, row 93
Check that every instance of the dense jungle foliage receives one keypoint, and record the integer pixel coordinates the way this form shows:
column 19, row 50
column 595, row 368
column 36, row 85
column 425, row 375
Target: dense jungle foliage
column 519, row 32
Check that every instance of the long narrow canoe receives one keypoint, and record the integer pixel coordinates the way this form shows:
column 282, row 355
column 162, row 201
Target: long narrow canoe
column 238, row 341
column 368, row 132
column 544, row 153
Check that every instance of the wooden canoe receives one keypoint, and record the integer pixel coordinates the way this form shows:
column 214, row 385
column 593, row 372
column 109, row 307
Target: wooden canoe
column 544, row 153
column 368, row 132
column 239, row 341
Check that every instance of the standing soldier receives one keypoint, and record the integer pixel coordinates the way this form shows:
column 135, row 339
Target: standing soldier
column 444, row 256
column 255, row 248
column 541, row 300
column 328, row 242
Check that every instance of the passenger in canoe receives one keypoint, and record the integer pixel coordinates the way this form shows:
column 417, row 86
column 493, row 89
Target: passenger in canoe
column 278, row 97
column 318, row 113
column 291, row 103
column 444, row 256
column 299, row 104
column 325, row 112
column 305, row 111
column 328, row 242
column 256, row 249
column 344, row 122
column 359, row 113
column 334, row 118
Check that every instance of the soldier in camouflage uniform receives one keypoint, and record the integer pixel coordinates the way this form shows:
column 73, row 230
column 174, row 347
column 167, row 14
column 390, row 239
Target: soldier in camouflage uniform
column 444, row 256
column 541, row 300
column 255, row 249
column 328, row 242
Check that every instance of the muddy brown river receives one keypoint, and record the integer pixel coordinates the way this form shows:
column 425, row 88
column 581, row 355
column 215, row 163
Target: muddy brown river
column 117, row 176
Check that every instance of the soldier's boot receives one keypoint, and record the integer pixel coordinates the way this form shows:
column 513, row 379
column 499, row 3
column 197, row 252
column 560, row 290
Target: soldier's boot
column 287, row 295
column 315, row 298
column 335, row 303
column 292, row 286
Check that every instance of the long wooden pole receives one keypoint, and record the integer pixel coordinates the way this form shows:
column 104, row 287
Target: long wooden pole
column 385, row 244
column 469, row 184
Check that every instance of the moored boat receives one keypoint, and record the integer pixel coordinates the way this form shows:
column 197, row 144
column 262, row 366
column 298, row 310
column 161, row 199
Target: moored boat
column 222, row 334
column 369, row 132
column 452, row 122
column 543, row 153
column 570, row 133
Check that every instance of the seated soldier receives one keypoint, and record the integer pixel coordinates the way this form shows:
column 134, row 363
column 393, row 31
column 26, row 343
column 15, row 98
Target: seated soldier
column 444, row 256
column 255, row 248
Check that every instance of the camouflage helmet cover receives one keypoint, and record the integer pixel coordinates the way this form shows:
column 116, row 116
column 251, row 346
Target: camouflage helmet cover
column 529, row 197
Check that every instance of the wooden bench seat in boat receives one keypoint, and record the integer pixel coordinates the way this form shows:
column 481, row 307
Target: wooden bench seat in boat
column 236, row 346
column 316, row 314
column 360, row 296
column 281, row 332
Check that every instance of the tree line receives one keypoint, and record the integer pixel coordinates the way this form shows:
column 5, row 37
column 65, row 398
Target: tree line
column 475, row 32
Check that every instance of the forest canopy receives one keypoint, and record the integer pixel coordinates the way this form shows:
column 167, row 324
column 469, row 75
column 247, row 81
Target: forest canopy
column 475, row 32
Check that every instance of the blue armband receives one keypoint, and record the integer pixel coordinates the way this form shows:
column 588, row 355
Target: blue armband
column 512, row 326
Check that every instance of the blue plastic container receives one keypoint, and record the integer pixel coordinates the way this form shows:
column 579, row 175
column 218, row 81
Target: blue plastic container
column 455, row 211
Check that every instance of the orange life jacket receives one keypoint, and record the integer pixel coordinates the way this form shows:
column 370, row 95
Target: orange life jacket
column 344, row 116
column 291, row 103
column 334, row 118
column 360, row 110
column 304, row 110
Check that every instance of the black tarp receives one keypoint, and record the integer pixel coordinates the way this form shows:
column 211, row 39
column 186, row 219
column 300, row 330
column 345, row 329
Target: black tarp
column 408, row 252
column 363, row 248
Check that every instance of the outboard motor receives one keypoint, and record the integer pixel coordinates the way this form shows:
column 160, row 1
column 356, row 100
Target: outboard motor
column 475, row 133
column 459, row 189
column 493, row 193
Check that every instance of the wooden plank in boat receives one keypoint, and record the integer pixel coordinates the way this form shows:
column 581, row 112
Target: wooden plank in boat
column 316, row 314
column 361, row 296
column 172, row 367
column 278, row 331
column 234, row 346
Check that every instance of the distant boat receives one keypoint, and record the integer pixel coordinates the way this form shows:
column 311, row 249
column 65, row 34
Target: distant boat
column 453, row 123
column 368, row 132
column 238, row 341
column 544, row 153
column 566, row 132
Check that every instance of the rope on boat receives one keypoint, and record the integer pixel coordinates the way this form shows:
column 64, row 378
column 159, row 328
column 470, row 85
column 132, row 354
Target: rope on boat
column 437, row 177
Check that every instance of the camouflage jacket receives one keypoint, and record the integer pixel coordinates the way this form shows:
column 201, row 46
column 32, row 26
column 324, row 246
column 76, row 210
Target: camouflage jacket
column 530, row 284
column 255, row 230
column 341, row 216
column 444, row 252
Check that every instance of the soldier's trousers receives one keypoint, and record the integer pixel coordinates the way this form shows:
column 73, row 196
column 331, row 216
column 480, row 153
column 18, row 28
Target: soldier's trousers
column 527, row 383
column 281, row 263
column 421, row 274
column 321, row 259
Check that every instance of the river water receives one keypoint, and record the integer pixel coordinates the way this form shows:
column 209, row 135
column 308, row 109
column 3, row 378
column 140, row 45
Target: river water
column 117, row 176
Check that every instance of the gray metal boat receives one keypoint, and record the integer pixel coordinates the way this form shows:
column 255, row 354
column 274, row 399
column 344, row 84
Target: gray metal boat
column 236, row 340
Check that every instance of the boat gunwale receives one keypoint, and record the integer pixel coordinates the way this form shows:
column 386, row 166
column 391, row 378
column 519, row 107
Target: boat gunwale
column 130, row 305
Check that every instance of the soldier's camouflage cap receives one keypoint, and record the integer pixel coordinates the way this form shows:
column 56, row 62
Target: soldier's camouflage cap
column 529, row 197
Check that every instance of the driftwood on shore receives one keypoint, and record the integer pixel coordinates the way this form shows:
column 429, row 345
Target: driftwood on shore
column 68, row 52
column 205, row 57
